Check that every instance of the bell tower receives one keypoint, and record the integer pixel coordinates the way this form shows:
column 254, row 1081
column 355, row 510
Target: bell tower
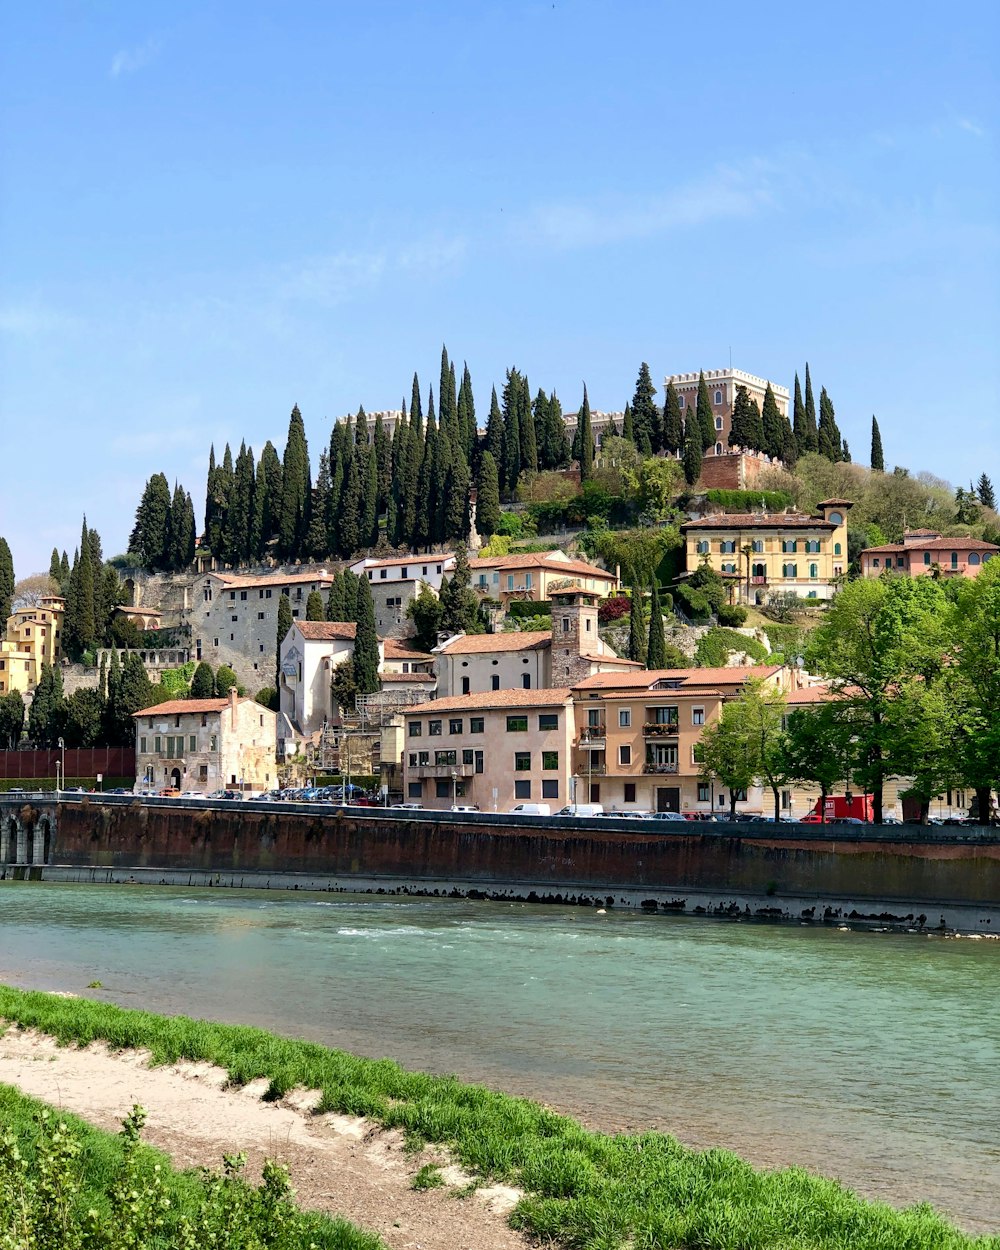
column 574, row 634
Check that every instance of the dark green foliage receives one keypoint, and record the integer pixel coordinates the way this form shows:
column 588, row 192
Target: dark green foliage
column 225, row 680
column 203, row 682
column 318, row 536
column 692, row 451
column 714, row 648
column 267, row 497
column 459, row 603
column 512, row 412
column 731, row 615
column 80, row 631
column 525, row 609
column 636, row 641
column 335, row 603
column 416, row 407
column 487, row 497
column 645, row 415
column 810, row 439
column 11, row 719
column 702, row 594
column 238, row 523
column 830, row 443
column 877, row 457
column 673, row 423
column 467, row 417
column 83, row 719
column 494, row 430
column 425, row 613
column 314, row 606
column 150, row 537
column 136, row 693
column 6, row 582
column 293, row 511
column 267, row 697
column 369, row 498
column 456, row 501
column 628, row 425
column 55, row 569
column 706, row 417
column 45, row 717
column 984, row 490
column 284, row 625
column 182, row 536
column 365, row 641
column 656, row 647
column 585, row 440
column 743, row 431
column 772, row 426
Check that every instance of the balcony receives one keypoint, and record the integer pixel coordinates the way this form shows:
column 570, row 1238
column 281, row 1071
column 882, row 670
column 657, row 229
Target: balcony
column 441, row 770
column 659, row 729
column 592, row 737
column 758, row 581
column 659, row 769
column 589, row 767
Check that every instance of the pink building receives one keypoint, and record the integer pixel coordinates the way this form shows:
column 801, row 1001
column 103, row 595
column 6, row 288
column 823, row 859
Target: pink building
column 925, row 551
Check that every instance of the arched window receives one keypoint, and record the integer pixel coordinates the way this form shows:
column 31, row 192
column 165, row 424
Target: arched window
column 837, row 518
column 701, row 547
column 814, row 570
column 718, row 397
column 718, row 449
column 954, row 559
column 973, row 557
column 836, row 549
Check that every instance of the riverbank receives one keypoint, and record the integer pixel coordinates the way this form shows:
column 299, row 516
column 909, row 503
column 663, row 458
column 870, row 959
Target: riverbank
column 580, row 1188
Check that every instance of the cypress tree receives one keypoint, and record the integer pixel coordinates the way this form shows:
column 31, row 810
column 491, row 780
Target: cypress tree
column 223, row 489
column 54, row 567
column 446, row 397
column 706, row 417
column 645, row 418
column 635, row 640
column 440, row 471
column 628, row 425
column 673, row 422
column 369, row 510
column 335, row 599
column 656, row 651
column 112, row 699
column 150, row 537
column 557, row 441
column 64, row 572
column 80, row 625
column 293, row 510
column 351, row 514
column 361, row 429
column 494, row 431
column 317, row 544
column 799, row 418
column 416, row 410
column 382, row 448
column 136, row 693
column 511, row 462
column 414, row 464
column 741, row 424
column 692, row 450
column 586, row 439
column 467, row 416
column 239, row 513
column 877, row 459
column 6, row 582
column 423, row 522
column 789, row 445
column 203, row 682
column 829, row 440
column 984, row 490
column 181, row 551
column 352, row 592
column 341, row 451
column 773, row 426
column 314, row 606
column 365, row 641
column 811, row 440
column 487, row 496
column 284, row 625
column 456, row 513
column 756, row 427
column 210, row 522
column 526, row 428
column 44, row 715
column 272, row 473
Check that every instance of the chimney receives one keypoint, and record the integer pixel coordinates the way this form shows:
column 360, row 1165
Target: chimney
column 233, row 700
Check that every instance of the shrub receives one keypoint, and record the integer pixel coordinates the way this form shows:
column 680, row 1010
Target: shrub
column 510, row 525
column 714, row 649
column 750, row 500
column 613, row 609
column 529, row 607
column 732, row 615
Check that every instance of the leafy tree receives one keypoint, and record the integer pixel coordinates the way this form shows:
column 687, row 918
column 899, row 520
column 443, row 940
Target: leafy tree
column 366, row 657
column 773, row 426
column 656, row 483
column 284, row 625
column 314, row 606
column 225, row 680
column 336, row 601
column 628, row 425
column 818, row 747
column 80, row 627
column 585, row 437
column 425, row 612
column 673, row 422
column 645, row 417
column 924, row 732
column 150, row 536
column 54, row 566
column 45, row 717
column 656, row 649
column 11, row 719
column 136, row 693
column 692, row 452
column 459, row 603
column 830, row 443
column 877, row 458
column 746, row 743
column 810, row 441
column 973, row 679
column 967, row 506
column 703, row 593
column 318, row 536
column 267, row 697
column 83, row 718
column 293, row 510
column 267, row 497
column 203, row 682
column 985, row 492
column 6, row 581
column 743, row 429
column 487, row 496
column 637, row 552
column 705, row 415
column 636, row 641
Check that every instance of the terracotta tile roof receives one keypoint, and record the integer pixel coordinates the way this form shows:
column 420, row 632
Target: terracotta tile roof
column 932, row 544
column 405, row 560
column 692, row 676
column 326, row 631
column 810, row 694
column 608, row 658
column 841, row 503
column 177, row 707
column 235, row 581
column 475, row 644
column 404, row 677
column 758, row 521
column 539, row 560
column 558, row 696
column 397, row 650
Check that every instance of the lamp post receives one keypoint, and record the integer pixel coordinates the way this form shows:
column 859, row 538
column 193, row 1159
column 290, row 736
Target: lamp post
column 574, row 782
column 454, row 787
column 60, row 743
column 748, row 552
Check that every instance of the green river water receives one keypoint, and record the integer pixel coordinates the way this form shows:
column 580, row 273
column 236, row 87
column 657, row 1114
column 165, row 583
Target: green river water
column 872, row 1057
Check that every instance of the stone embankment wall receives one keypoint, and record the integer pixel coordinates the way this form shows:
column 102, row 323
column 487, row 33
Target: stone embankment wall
column 567, row 856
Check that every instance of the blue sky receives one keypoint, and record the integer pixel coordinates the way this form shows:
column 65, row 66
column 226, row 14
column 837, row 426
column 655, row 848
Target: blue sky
column 210, row 212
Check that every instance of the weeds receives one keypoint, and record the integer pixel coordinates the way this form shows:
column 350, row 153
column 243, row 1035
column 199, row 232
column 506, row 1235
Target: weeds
column 429, row 1177
column 582, row 1189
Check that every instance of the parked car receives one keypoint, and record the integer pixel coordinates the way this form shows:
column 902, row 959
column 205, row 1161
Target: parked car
column 581, row 809
column 531, row 809
column 407, row 807
column 464, row 807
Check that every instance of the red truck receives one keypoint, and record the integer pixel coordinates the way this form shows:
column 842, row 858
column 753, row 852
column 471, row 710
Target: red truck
column 841, row 807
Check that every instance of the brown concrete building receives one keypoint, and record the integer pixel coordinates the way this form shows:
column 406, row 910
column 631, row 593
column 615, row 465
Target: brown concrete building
column 722, row 387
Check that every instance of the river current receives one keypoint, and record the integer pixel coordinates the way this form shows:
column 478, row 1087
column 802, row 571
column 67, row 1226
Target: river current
column 870, row 1057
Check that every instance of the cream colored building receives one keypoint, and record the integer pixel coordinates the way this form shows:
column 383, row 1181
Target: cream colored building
column 33, row 638
column 492, row 750
column 536, row 575
column 759, row 553
column 206, row 745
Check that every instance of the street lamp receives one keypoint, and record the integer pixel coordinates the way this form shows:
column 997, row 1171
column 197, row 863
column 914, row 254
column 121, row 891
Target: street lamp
column 61, row 771
column 574, row 782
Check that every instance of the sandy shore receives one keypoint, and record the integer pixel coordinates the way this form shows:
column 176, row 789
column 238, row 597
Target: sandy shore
column 338, row 1164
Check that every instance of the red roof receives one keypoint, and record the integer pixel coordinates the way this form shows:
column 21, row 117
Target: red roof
column 759, row 521
column 327, row 631
column 178, row 707
column 690, row 676
column 555, row 697
column 395, row 649
column 932, row 544
column 518, row 640
column 541, row 560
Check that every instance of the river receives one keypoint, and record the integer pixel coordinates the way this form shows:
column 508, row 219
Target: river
column 871, row 1057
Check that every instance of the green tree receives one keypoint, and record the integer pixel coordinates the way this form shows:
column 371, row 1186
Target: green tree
column 638, row 553
column 511, row 457
column 818, row 747
column 150, row 537
column 83, row 719
column 645, row 417
column 11, row 719
column 656, row 483
column 656, row 649
column 267, row 496
column 365, row 642
column 318, row 537
column 636, row 640
column 136, row 693
column 810, row 442
column 692, row 452
column 80, row 626
column 673, row 421
column 487, row 496
column 203, row 682
column 425, row 613
column 877, row 458
column 459, row 603
column 984, row 490
column 773, row 426
column 973, row 679
column 284, row 625
column 704, row 413
column 294, row 507
column 225, row 680
column 45, row 717
column 585, row 437
column 314, row 606
column 55, row 569
column 239, row 514
column 336, row 603
column 6, row 582
column 830, row 443
column 747, row 744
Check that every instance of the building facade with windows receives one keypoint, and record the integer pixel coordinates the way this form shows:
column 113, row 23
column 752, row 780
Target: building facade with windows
column 534, row 576
column 722, row 387
column 396, row 582
column 33, row 637
column 494, row 750
column 926, row 551
column 759, row 553
column 206, row 745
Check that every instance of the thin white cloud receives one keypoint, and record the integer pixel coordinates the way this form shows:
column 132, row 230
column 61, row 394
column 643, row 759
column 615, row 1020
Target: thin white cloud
column 334, row 278
column 131, row 60
column 29, row 321
column 973, row 127
column 728, row 191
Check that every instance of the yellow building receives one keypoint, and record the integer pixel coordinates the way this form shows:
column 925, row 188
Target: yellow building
column 760, row 553
column 33, row 638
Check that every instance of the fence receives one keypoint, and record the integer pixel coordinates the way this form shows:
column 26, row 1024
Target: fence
column 85, row 762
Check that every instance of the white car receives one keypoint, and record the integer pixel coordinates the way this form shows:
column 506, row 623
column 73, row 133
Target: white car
column 464, row 807
column 407, row 807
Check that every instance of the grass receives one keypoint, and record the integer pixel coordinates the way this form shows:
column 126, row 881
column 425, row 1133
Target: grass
column 66, row 1184
column 429, row 1177
column 585, row 1190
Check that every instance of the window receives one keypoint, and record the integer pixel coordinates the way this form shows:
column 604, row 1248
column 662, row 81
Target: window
column 697, row 716
column 718, row 397
column 526, row 681
column 215, row 643
column 565, row 624
column 243, row 595
column 142, row 746
column 454, row 726
column 434, row 728
column 383, row 573
column 445, row 759
column 813, row 545
column 467, row 755
column 728, row 546
column 740, row 796
column 704, row 794
column 875, row 562
column 510, row 581
column 664, row 715
column 680, row 401
column 701, row 547
column 495, row 682
column 213, row 743
column 424, row 758
column 814, row 570
column 403, row 573
column 629, row 792
column 718, row 423
column 522, row 761
column 157, row 748
column 414, row 790
column 548, row 720
column 757, row 546
column 413, row 759
column 973, row 557
column 260, row 616
column 477, row 724
column 837, row 518
column 836, row 549
column 595, row 792
column 232, row 594
column 954, row 559
column 522, row 789
column 927, row 558
column 416, row 729
column 789, row 544
column 718, row 449
column 192, row 742
column 442, row 788
column 550, row 789
column 550, row 760
column 625, row 755
column 625, row 718
column 465, row 685
column 527, row 581
column 517, row 724
column 789, row 570
column 728, row 567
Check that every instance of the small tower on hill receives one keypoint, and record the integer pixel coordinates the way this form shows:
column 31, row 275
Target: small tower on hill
column 574, row 635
